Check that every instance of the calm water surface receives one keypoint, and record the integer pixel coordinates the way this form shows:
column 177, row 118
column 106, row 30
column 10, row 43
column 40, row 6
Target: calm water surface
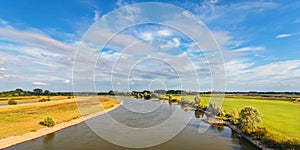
column 82, row 137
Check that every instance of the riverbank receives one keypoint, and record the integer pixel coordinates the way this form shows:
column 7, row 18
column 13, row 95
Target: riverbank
column 212, row 121
column 13, row 140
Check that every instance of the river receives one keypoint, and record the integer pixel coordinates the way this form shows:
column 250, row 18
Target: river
column 130, row 114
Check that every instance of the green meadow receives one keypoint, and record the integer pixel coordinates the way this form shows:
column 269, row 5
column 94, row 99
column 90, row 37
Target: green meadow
column 278, row 115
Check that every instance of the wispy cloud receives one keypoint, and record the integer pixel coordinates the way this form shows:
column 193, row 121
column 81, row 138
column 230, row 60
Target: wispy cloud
column 37, row 39
column 66, row 81
column 10, row 76
column 209, row 11
column 283, row 36
column 243, row 74
column 3, row 22
column 96, row 15
column 39, row 83
column 249, row 48
column 2, row 69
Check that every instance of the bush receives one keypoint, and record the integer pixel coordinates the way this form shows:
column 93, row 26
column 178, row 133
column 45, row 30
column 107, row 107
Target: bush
column 201, row 106
column 234, row 117
column 249, row 120
column 215, row 109
column 49, row 122
column 278, row 141
column 197, row 100
column 12, row 102
column 44, row 100
column 147, row 96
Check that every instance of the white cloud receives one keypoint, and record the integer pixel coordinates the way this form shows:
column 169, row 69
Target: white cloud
column 147, row 36
column 96, row 15
column 121, row 3
column 250, row 48
column 3, row 22
column 39, row 83
column 171, row 44
column 244, row 75
column 10, row 76
column 36, row 39
column 176, row 42
column 66, row 81
column 2, row 60
column 283, row 35
column 164, row 32
column 2, row 69
column 210, row 12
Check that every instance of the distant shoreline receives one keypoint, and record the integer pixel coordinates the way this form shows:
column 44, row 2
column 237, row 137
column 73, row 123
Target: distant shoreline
column 14, row 140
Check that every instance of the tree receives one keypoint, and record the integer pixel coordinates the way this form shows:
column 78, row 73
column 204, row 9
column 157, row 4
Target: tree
column 37, row 91
column 249, row 120
column 215, row 109
column 111, row 92
column 197, row 100
column 234, row 116
column 46, row 92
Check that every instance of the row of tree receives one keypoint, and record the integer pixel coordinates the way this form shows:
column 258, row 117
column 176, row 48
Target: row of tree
column 35, row 92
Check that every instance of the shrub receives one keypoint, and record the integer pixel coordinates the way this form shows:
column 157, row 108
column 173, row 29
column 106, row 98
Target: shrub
column 147, row 96
column 204, row 107
column 12, row 102
column 197, row 100
column 170, row 97
column 49, row 122
column 215, row 109
column 44, row 100
column 234, row 117
column 249, row 120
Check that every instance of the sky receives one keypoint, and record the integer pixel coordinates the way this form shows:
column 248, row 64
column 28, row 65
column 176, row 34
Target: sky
column 40, row 41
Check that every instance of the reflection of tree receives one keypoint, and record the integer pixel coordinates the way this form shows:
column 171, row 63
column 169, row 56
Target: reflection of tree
column 199, row 114
column 220, row 128
column 49, row 138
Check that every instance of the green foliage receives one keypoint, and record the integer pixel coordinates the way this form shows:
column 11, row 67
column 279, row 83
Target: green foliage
column 154, row 95
column 147, row 96
column 276, row 140
column 197, row 100
column 260, row 133
column 234, row 117
column 182, row 99
column 44, row 100
column 49, row 122
column 249, row 120
column 12, row 102
column 215, row 109
column 170, row 97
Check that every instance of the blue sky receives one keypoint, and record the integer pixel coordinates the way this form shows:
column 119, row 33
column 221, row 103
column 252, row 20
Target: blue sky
column 259, row 40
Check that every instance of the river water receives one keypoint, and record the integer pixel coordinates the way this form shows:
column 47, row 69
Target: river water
column 134, row 114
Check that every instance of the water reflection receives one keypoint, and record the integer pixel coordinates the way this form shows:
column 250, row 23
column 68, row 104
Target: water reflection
column 199, row 114
column 49, row 138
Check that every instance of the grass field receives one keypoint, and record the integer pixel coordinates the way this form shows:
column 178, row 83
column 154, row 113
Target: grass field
column 20, row 119
column 279, row 115
column 31, row 99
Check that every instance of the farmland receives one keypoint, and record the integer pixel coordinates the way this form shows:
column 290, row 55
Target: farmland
column 23, row 118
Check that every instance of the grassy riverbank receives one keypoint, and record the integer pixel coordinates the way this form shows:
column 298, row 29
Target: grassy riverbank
column 281, row 116
column 20, row 119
